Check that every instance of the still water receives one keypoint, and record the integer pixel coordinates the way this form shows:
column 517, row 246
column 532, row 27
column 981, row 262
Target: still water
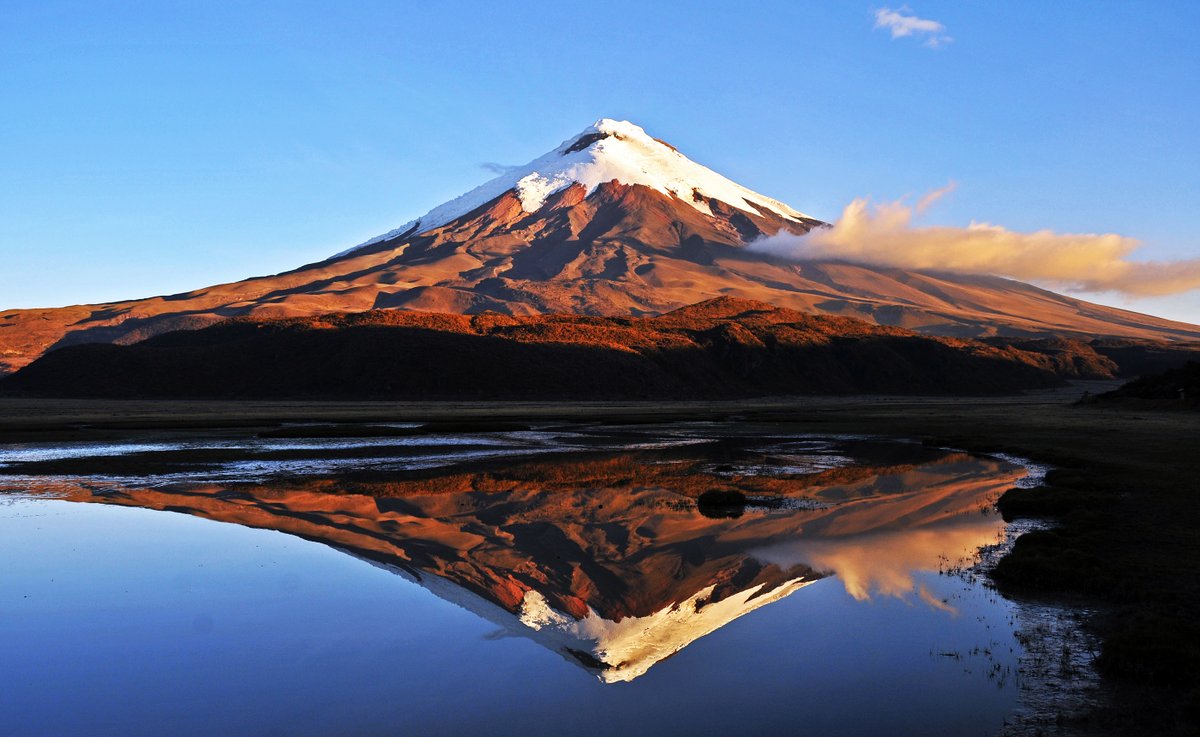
column 550, row 581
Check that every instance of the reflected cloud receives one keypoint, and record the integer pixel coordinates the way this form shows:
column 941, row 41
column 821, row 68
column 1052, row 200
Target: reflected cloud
column 928, row 597
column 884, row 563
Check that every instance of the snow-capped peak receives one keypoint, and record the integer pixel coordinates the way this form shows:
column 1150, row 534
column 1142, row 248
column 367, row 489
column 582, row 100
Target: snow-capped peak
column 604, row 151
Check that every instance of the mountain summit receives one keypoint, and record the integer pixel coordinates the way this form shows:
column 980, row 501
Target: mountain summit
column 611, row 222
column 606, row 151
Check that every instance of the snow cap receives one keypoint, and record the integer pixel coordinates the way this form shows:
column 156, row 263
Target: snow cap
column 605, row 151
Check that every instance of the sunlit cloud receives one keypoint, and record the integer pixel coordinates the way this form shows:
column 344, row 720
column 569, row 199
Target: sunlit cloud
column 929, row 198
column 884, row 235
column 902, row 22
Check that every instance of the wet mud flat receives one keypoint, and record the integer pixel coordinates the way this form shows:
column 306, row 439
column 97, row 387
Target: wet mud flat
column 362, row 452
column 1060, row 687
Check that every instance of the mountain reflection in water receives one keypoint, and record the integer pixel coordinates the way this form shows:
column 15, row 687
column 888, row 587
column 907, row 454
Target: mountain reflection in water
column 607, row 558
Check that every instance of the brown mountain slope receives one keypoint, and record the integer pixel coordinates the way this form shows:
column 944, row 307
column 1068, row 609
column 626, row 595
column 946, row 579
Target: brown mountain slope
column 616, row 249
column 719, row 348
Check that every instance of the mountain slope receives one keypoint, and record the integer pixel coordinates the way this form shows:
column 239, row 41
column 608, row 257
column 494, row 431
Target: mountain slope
column 612, row 222
column 719, row 348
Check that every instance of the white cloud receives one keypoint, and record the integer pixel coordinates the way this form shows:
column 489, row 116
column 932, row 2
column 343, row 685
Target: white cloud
column 884, row 235
column 901, row 22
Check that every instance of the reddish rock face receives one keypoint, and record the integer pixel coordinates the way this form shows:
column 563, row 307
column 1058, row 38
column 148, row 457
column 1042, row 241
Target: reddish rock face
column 622, row 250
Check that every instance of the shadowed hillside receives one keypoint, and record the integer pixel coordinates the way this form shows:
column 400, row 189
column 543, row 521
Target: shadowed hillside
column 720, row 348
column 1175, row 389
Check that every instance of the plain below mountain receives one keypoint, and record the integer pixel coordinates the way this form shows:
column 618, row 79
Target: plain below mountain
column 719, row 348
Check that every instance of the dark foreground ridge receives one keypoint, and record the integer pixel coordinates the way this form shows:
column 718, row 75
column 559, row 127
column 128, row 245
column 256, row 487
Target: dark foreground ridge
column 719, row 348
column 1175, row 389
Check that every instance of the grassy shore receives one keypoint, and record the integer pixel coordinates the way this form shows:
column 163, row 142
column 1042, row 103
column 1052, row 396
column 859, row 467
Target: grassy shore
column 1124, row 498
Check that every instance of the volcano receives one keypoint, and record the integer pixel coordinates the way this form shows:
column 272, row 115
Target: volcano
column 612, row 222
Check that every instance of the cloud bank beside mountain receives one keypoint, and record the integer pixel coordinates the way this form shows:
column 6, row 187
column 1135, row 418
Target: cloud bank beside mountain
column 885, row 235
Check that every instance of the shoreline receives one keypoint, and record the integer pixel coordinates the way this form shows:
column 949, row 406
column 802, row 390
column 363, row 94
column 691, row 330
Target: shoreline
column 34, row 416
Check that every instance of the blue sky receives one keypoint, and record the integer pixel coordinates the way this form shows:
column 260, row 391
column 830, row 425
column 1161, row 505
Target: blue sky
column 150, row 148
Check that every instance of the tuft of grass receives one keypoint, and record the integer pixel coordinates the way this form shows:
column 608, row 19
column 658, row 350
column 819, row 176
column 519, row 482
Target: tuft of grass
column 1042, row 502
column 719, row 503
column 1052, row 561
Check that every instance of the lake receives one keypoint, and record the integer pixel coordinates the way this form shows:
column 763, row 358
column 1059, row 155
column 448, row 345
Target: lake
column 698, row 579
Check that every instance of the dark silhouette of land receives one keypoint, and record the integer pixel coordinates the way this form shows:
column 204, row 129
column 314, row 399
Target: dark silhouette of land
column 722, row 348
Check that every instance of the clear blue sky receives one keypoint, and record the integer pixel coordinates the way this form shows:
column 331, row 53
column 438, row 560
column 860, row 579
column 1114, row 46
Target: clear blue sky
column 150, row 148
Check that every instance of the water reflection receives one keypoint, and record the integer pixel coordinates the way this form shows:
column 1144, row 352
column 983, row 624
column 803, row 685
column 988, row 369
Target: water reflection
column 606, row 558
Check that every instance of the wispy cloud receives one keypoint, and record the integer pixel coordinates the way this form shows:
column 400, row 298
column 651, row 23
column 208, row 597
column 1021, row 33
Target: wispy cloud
column 933, row 196
column 884, row 235
column 495, row 168
column 902, row 22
